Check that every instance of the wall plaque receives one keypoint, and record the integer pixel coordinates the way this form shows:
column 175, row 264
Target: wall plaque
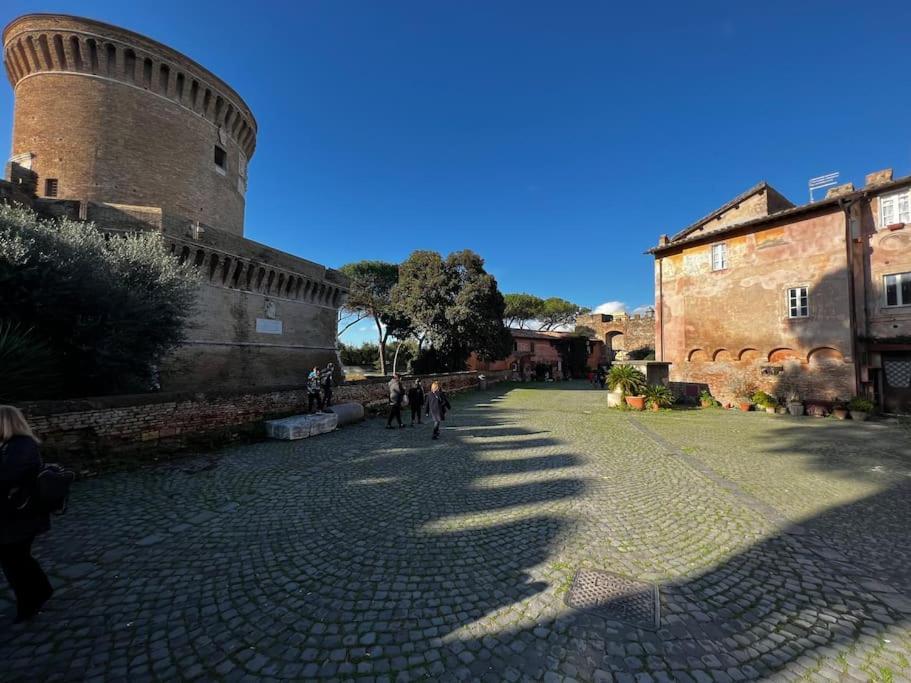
column 267, row 326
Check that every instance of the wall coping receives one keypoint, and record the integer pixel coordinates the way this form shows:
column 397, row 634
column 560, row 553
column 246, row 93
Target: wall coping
column 90, row 403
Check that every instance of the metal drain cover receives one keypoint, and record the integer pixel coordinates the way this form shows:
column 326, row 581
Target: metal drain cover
column 615, row 597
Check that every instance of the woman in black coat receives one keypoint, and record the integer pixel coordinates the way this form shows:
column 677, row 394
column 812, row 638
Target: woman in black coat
column 20, row 522
column 436, row 405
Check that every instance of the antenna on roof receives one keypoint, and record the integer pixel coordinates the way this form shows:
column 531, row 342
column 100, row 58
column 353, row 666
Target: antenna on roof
column 822, row 181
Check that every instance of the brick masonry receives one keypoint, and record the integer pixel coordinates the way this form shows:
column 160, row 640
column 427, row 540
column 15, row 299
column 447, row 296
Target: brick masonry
column 77, row 431
column 141, row 121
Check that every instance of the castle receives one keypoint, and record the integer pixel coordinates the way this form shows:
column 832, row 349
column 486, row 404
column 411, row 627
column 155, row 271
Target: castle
column 116, row 128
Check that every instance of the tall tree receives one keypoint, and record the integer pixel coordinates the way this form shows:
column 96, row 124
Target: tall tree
column 520, row 308
column 422, row 293
column 370, row 293
column 476, row 313
column 557, row 312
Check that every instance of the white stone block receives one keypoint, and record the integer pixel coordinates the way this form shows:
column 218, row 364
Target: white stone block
column 301, row 426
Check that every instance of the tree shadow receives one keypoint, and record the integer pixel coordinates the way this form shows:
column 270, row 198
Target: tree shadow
column 367, row 552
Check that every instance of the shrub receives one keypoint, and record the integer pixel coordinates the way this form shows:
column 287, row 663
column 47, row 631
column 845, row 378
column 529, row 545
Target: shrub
column 861, row 404
column 27, row 365
column 108, row 309
column 741, row 388
column 763, row 400
column 627, row 379
column 706, row 399
column 660, row 396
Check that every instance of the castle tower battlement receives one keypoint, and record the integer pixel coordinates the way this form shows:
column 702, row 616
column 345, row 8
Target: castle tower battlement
column 104, row 114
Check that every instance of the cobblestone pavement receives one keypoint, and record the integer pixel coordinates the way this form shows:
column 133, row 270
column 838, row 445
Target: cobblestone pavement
column 780, row 546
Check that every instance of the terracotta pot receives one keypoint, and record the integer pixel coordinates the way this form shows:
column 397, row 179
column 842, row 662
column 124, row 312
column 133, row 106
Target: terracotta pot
column 705, row 404
column 745, row 407
column 636, row 402
column 859, row 415
column 840, row 413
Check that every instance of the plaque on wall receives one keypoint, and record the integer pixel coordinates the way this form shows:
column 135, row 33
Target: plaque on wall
column 267, row 326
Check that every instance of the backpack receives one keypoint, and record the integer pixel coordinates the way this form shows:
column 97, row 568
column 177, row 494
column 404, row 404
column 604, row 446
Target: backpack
column 53, row 488
column 51, row 491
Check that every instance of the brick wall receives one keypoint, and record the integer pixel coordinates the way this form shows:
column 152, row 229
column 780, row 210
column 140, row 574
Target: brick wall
column 95, row 430
column 117, row 117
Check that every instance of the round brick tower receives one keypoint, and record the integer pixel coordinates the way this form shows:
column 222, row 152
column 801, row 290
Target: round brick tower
column 107, row 115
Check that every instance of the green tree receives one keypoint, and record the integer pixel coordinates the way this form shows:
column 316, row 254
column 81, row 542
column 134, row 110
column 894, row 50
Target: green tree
column 520, row 308
column 557, row 312
column 422, row 294
column 370, row 294
column 108, row 310
column 475, row 314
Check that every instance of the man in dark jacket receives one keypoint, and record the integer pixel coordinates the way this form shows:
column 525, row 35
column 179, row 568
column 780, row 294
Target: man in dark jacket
column 20, row 520
column 327, row 381
column 396, row 396
column 436, row 404
column 416, row 401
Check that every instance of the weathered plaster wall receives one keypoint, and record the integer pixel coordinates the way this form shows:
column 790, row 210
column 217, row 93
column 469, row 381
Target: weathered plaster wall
column 622, row 332
column 720, row 327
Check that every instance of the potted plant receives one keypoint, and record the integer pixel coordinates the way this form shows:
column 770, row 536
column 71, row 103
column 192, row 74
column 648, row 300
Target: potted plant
column 742, row 391
column 659, row 396
column 764, row 401
column 630, row 382
column 860, row 408
column 840, row 409
column 706, row 400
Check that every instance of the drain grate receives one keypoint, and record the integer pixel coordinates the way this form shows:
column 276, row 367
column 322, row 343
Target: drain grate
column 615, row 597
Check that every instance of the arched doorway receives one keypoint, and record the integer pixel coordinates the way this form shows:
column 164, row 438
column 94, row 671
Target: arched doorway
column 614, row 345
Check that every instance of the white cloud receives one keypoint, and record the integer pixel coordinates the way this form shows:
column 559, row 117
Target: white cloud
column 610, row 307
column 365, row 328
column 644, row 308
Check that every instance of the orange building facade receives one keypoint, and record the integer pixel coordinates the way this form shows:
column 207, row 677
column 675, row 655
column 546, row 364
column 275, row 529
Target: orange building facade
column 533, row 349
column 812, row 299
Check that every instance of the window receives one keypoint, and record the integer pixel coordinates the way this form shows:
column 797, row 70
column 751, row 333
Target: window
column 532, row 345
column 719, row 256
column 50, row 187
column 895, row 208
column 798, row 302
column 221, row 160
column 898, row 289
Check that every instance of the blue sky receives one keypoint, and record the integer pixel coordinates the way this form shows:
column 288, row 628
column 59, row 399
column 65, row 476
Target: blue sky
column 558, row 140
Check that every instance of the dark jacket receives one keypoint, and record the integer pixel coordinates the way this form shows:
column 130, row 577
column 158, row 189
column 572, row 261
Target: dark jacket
column 20, row 463
column 416, row 397
column 436, row 405
column 396, row 392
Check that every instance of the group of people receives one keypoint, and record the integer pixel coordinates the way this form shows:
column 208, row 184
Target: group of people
column 319, row 388
column 597, row 378
column 434, row 403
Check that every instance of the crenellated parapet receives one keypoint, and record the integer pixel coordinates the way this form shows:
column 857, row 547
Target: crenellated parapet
column 42, row 43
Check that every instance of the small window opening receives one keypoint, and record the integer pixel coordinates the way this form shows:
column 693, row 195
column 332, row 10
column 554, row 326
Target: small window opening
column 221, row 159
column 50, row 187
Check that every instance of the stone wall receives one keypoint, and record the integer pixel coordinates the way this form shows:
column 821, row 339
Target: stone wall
column 95, row 430
column 622, row 334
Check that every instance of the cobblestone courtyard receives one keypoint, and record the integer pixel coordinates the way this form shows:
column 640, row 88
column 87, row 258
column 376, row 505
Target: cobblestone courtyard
column 780, row 545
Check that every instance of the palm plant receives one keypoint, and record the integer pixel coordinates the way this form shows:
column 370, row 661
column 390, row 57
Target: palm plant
column 659, row 396
column 27, row 365
column 627, row 379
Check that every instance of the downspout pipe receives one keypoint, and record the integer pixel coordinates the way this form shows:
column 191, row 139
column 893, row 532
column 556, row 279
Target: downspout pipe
column 847, row 204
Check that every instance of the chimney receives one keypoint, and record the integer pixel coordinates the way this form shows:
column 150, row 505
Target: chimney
column 663, row 240
column 839, row 190
column 879, row 177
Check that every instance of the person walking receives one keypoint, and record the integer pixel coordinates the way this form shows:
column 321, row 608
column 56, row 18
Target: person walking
column 416, row 400
column 20, row 520
column 327, row 383
column 313, row 391
column 396, row 396
column 436, row 404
